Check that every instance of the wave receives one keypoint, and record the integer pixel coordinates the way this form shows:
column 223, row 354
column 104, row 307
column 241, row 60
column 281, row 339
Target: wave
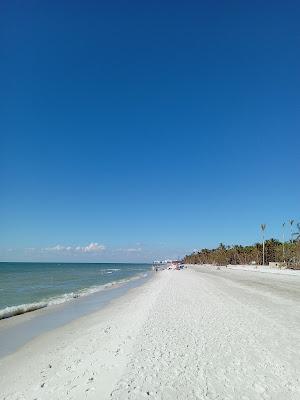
column 109, row 271
column 12, row 311
column 21, row 309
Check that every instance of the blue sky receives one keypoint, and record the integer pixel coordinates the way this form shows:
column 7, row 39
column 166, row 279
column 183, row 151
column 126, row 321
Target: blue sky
column 136, row 131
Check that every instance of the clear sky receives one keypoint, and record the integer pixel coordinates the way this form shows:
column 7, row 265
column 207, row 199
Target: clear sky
column 138, row 130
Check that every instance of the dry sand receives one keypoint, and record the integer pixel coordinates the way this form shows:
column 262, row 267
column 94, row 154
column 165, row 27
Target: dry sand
column 192, row 334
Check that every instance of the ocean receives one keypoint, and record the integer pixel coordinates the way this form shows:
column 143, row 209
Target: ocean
column 28, row 286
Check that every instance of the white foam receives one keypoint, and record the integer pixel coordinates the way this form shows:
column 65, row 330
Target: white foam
column 21, row 309
column 24, row 308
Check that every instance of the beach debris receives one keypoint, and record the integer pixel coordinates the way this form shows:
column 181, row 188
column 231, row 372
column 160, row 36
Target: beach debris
column 107, row 329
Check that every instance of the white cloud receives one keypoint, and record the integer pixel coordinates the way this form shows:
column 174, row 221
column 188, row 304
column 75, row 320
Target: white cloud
column 58, row 247
column 93, row 247
column 130, row 250
column 134, row 250
column 30, row 249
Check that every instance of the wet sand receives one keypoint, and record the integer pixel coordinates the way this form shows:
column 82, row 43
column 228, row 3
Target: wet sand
column 18, row 330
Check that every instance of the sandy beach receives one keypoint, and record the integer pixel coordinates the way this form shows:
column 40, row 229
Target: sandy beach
column 199, row 333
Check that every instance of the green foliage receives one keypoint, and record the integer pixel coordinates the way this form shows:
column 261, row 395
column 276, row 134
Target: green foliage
column 224, row 255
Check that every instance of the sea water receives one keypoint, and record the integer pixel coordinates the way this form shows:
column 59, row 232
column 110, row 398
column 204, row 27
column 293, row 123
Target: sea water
column 28, row 286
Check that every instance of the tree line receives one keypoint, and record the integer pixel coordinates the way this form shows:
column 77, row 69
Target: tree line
column 275, row 251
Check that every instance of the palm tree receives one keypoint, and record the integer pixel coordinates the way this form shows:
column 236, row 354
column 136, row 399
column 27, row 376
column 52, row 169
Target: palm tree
column 283, row 256
column 291, row 223
column 297, row 234
column 263, row 227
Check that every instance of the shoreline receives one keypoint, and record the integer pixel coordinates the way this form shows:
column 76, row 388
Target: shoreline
column 43, row 319
column 188, row 334
column 56, row 283
column 99, row 341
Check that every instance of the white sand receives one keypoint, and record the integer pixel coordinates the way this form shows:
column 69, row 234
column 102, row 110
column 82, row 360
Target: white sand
column 192, row 334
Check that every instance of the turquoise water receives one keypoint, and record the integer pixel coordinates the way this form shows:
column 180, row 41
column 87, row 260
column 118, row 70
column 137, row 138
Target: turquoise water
column 26, row 286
